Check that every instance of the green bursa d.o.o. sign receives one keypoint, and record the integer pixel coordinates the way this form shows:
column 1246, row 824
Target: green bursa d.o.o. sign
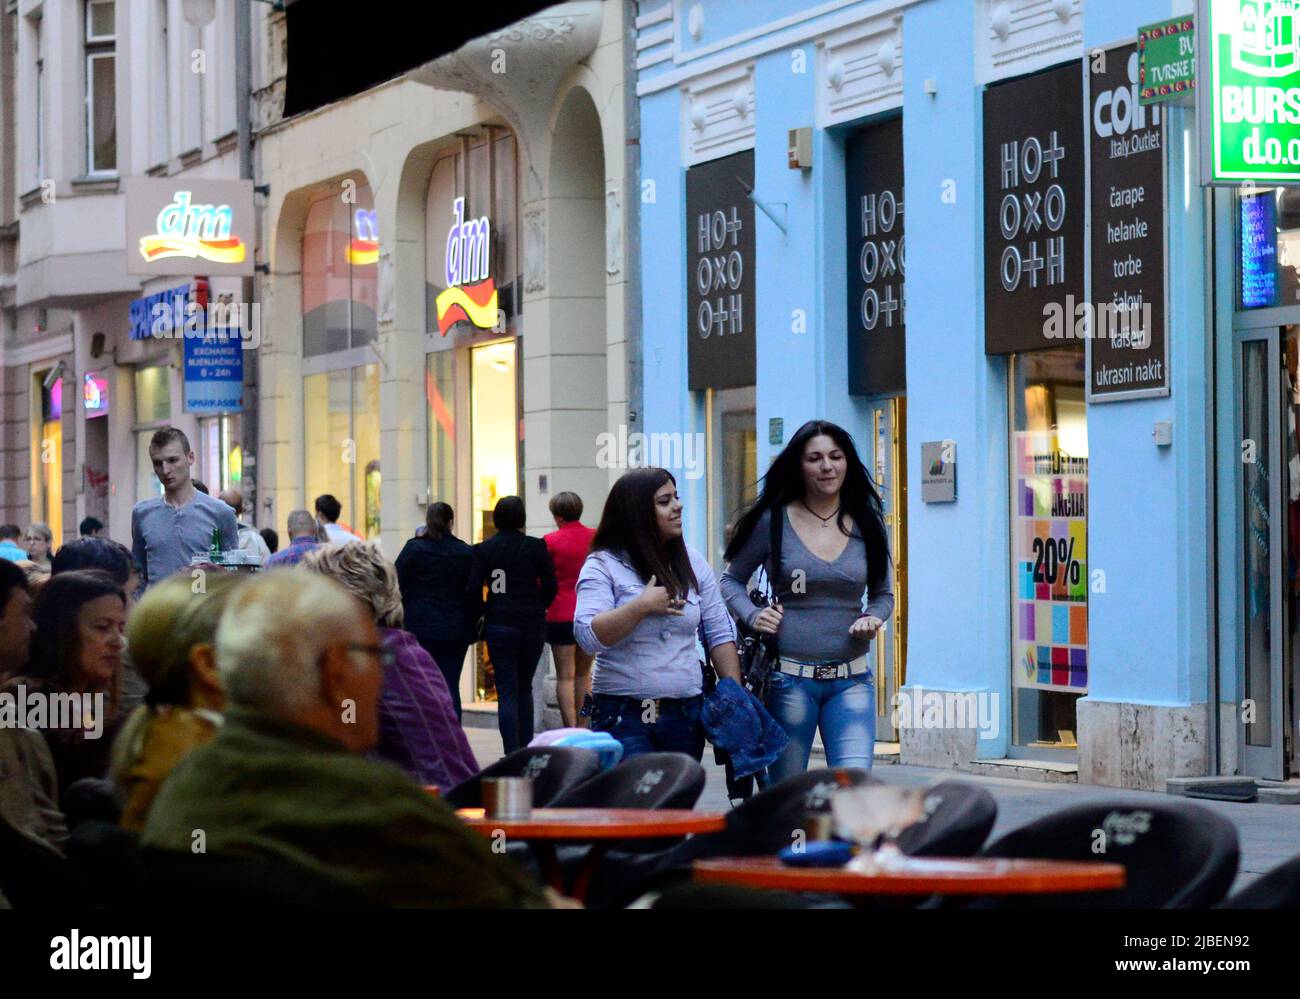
column 1250, row 105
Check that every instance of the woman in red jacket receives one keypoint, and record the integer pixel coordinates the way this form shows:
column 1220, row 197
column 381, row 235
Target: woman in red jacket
column 568, row 547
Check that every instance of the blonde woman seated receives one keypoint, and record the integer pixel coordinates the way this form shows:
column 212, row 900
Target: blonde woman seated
column 171, row 635
column 418, row 729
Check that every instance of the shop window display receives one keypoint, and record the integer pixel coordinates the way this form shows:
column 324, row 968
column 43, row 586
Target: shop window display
column 1049, row 542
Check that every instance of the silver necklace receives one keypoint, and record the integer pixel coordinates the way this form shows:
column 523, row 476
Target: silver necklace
column 826, row 521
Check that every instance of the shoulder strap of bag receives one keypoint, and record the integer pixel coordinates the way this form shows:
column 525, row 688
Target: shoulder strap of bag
column 776, row 527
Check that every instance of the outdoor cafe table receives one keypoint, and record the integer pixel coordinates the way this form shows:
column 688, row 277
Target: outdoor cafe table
column 918, row 876
column 602, row 827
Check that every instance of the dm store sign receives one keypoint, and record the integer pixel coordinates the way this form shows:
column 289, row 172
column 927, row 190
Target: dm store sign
column 189, row 226
column 1252, row 114
column 471, row 292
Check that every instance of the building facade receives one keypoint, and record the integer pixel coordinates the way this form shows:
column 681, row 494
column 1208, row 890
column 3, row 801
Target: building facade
column 879, row 213
column 97, row 92
column 446, row 312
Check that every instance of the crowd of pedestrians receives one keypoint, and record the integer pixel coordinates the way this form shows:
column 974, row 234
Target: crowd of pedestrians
column 300, row 713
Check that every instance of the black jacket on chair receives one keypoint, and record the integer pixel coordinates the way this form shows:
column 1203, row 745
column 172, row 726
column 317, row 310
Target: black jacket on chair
column 520, row 581
column 433, row 574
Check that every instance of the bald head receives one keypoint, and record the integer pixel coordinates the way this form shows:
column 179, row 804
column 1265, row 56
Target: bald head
column 234, row 499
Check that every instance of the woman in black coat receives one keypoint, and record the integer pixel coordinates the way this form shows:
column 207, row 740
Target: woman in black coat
column 520, row 582
column 433, row 573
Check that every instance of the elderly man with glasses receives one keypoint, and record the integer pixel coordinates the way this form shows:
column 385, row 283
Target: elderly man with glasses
column 285, row 779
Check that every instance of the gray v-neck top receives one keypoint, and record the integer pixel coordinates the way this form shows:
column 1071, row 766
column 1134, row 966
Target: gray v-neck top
column 818, row 613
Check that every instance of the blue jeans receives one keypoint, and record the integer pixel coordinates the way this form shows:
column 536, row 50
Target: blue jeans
column 675, row 728
column 844, row 709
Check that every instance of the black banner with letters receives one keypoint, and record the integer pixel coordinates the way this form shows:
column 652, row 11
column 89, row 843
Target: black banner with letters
column 720, row 273
column 873, row 181
column 1128, row 343
column 1033, row 205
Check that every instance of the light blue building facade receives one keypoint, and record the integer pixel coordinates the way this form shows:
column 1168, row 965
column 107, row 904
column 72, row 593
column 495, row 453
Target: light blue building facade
column 1104, row 592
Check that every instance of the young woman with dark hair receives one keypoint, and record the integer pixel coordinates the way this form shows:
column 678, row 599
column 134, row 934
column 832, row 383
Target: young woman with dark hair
column 520, row 582
column 642, row 596
column 833, row 594
column 433, row 574
column 77, row 648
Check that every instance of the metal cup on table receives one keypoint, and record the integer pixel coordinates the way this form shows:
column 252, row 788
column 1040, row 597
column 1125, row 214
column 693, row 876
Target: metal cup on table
column 507, row 798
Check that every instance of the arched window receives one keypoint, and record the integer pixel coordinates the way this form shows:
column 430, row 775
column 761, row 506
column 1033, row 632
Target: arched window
column 340, row 258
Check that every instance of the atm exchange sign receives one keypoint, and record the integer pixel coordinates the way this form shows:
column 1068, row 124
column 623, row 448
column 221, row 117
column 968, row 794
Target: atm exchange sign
column 1250, row 108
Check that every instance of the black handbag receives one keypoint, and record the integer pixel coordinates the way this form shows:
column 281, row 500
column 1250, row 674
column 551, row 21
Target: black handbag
column 759, row 656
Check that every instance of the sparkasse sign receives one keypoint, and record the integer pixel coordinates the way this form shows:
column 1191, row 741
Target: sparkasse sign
column 1250, row 101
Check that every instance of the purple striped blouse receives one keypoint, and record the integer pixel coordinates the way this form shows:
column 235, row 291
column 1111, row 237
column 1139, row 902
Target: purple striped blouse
column 418, row 729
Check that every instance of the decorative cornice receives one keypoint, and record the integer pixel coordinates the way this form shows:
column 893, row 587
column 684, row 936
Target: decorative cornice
column 35, row 351
column 1020, row 36
column 860, row 70
column 717, row 114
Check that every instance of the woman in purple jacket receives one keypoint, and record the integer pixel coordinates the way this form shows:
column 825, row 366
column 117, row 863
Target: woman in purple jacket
column 418, row 729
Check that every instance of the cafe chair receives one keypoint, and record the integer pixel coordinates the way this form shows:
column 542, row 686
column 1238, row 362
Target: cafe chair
column 959, row 816
column 1277, row 889
column 225, row 882
column 33, row 876
column 761, row 826
column 1177, row 856
column 651, row 780
column 553, row 769
column 773, row 819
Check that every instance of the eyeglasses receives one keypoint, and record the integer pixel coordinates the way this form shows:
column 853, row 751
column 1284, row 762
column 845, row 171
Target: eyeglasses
column 386, row 657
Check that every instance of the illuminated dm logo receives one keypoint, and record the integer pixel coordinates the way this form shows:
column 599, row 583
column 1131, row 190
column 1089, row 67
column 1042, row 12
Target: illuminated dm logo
column 471, row 295
column 186, row 230
column 364, row 248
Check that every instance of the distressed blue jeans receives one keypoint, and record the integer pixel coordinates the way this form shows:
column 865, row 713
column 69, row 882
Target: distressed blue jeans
column 845, row 710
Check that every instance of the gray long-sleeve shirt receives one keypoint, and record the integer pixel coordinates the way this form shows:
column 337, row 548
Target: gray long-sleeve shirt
column 820, row 605
column 164, row 537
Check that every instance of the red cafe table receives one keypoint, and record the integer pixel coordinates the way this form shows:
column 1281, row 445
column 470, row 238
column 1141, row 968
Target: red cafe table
column 602, row 827
column 918, row 876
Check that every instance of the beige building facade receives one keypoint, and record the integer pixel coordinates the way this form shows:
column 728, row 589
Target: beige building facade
column 445, row 316
column 499, row 169
column 96, row 92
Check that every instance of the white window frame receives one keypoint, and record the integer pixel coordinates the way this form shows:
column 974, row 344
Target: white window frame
column 97, row 47
column 40, row 116
column 160, row 87
column 92, row 39
column 31, row 32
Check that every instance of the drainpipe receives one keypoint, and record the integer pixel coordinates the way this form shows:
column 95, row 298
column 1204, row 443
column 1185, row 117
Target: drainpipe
column 632, row 230
column 244, row 130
